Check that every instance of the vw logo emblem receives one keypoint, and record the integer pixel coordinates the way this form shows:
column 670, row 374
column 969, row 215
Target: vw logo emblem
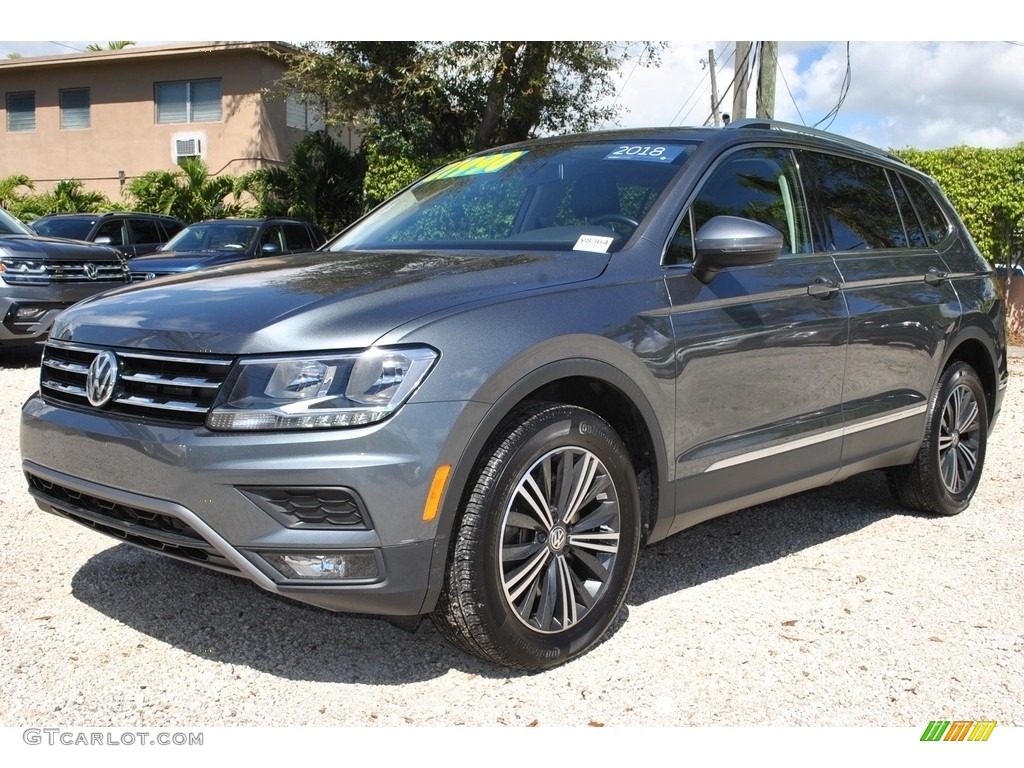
column 101, row 379
column 559, row 536
column 91, row 271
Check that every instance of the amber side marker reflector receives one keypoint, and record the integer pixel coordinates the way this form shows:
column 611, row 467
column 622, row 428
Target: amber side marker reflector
column 436, row 489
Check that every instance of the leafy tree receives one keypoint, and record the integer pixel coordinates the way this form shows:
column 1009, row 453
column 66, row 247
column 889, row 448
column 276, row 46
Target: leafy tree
column 987, row 188
column 322, row 183
column 423, row 103
column 190, row 194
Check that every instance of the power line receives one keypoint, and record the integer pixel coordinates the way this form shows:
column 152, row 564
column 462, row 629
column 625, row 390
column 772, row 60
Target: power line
column 65, row 45
column 702, row 93
column 844, row 89
column 792, row 98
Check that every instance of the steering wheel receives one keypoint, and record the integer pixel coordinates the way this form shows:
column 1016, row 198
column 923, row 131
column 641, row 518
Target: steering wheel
column 617, row 218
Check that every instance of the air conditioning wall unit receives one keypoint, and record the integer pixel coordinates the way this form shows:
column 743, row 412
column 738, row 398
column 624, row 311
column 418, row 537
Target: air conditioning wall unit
column 191, row 144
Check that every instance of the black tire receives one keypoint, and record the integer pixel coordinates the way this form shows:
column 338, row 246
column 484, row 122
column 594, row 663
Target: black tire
column 531, row 585
column 943, row 478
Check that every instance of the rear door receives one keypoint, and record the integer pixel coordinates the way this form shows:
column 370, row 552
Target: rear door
column 760, row 350
column 901, row 305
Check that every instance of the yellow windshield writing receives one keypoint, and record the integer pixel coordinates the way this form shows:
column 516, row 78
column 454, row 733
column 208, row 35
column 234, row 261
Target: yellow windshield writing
column 474, row 165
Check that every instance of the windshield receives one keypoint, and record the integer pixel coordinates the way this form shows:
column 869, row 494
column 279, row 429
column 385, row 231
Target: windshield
column 557, row 197
column 213, row 236
column 12, row 226
column 73, row 229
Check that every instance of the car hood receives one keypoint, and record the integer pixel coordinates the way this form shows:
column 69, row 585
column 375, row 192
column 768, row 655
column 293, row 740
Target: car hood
column 182, row 261
column 315, row 301
column 56, row 249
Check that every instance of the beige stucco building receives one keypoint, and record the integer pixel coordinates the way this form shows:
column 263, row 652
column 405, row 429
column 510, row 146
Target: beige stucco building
column 106, row 117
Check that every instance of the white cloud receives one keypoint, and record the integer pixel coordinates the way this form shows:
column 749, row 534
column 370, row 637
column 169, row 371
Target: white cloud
column 922, row 94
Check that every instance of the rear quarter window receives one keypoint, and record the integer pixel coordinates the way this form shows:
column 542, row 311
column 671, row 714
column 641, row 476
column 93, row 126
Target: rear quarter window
column 933, row 220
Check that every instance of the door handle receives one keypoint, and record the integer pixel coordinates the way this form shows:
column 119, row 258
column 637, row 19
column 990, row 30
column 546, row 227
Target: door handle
column 822, row 288
column 934, row 276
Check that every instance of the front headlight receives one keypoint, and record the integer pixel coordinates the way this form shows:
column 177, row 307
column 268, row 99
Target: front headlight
column 319, row 391
column 18, row 270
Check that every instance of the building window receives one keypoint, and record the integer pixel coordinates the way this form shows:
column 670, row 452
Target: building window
column 74, row 109
column 21, row 111
column 188, row 101
column 306, row 117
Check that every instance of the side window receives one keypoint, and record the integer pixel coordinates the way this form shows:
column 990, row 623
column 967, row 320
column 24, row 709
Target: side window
column 915, row 234
column 935, row 224
column 760, row 183
column 111, row 229
column 857, row 202
column 296, row 237
column 271, row 236
column 144, row 231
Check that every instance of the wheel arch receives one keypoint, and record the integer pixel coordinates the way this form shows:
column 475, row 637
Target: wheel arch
column 620, row 390
column 972, row 345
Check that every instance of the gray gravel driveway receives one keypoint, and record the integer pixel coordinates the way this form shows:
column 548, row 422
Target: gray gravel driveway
column 831, row 608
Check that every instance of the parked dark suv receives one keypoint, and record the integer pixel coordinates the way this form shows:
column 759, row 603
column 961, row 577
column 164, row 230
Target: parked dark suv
column 133, row 234
column 480, row 400
column 41, row 276
column 224, row 241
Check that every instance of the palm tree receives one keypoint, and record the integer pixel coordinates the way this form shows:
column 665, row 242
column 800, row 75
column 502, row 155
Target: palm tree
column 322, row 183
column 69, row 196
column 10, row 199
column 190, row 194
column 112, row 45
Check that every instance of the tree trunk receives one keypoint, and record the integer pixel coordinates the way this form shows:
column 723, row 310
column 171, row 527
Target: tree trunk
column 497, row 95
column 529, row 93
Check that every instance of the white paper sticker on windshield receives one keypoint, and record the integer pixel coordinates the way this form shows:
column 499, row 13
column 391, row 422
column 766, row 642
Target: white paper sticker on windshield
column 593, row 243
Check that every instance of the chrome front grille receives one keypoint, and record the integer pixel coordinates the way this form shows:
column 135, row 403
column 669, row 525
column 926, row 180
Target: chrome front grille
column 44, row 272
column 151, row 385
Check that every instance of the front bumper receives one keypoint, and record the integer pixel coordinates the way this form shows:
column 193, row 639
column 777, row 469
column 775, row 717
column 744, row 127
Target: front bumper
column 202, row 496
column 24, row 321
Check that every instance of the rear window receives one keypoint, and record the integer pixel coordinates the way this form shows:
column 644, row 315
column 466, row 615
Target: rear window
column 934, row 222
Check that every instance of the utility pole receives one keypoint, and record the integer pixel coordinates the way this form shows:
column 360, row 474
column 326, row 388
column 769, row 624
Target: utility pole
column 769, row 61
column 714, row 87
column 741, row 80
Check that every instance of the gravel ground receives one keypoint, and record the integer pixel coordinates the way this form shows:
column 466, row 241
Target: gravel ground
column 831, row 608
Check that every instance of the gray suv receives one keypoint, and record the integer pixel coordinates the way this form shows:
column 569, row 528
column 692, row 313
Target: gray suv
column 479, row 401
column 41, row 276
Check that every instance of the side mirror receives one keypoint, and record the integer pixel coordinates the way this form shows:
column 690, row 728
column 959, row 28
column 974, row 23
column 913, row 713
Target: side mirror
column 268, row 248
column 732, row 241
column 104, row 240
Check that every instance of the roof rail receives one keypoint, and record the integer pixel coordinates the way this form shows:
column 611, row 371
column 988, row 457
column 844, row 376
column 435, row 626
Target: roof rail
column 778, row 125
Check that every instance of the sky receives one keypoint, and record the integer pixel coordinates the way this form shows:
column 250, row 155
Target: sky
column 951, row 85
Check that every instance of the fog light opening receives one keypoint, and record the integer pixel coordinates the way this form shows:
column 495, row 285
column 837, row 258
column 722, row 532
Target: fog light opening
column 324, row 566
column 29, row 313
